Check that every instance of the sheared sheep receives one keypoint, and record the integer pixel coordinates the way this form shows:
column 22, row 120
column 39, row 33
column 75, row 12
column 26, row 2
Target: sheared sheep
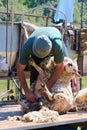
column 61, row 96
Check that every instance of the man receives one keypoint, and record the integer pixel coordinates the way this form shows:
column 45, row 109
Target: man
column 45, row 41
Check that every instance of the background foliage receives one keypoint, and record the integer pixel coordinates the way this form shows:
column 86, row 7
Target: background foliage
column 21, row 6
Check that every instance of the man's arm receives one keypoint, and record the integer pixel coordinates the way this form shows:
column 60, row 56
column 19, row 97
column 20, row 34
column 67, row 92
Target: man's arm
column 21, row 76
column 56, row 74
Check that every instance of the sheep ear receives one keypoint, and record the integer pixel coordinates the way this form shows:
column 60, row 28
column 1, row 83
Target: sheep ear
column 75, row 61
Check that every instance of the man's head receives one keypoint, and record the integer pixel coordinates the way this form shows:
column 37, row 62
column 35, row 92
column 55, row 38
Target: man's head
column 42, row 46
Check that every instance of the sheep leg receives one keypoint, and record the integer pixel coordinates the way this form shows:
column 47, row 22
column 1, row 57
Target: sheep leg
column 48, row 93
column 40, row 71
column 41, row 75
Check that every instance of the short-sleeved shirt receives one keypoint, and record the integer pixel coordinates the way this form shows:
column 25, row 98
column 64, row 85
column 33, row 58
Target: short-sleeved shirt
column 53, row 34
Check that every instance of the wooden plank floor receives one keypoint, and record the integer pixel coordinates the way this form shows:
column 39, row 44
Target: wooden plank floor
column 13, row 110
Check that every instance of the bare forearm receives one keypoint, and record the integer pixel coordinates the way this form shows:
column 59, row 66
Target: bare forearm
column 56, row 74
column 21, row 77
column 23, row 82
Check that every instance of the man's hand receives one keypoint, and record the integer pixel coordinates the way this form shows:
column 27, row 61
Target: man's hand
column 30, row 96
column 21, row 75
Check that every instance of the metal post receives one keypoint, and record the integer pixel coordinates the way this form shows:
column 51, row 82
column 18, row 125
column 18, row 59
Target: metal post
column 7, row 32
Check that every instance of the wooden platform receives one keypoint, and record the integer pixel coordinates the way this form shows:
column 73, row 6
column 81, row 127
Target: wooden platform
column 13, row 110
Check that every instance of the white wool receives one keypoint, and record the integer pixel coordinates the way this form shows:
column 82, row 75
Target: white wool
column 43, row 115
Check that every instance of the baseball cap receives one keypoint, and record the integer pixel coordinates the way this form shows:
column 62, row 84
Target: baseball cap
column 42, row 46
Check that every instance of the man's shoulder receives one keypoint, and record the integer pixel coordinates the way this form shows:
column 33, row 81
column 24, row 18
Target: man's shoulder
column 47, row 29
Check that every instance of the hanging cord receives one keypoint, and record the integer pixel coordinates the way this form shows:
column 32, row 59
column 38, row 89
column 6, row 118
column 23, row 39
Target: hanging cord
column 11, row 41
column 7, row 32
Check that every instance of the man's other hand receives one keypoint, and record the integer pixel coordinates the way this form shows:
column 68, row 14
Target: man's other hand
column 30, row 97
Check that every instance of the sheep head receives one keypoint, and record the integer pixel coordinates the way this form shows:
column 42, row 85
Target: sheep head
column 71, row 67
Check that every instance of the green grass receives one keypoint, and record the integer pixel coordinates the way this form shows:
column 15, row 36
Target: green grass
column 3, row 86
column 84, row 81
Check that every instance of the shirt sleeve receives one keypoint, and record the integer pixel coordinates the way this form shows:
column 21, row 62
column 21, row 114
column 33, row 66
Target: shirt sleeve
column 58, row 51
column 26, row 51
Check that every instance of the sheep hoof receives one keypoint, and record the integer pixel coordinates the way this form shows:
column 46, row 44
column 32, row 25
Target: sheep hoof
column 74, row 109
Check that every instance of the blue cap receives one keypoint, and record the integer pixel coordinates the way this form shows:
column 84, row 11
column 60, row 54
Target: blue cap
column 42, row 46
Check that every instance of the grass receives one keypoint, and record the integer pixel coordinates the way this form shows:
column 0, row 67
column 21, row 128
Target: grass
column 84, row 82
column 4, row 85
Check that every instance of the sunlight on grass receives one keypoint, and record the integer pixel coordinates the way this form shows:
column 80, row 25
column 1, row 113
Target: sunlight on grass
column 3, row 86
column 84, row 82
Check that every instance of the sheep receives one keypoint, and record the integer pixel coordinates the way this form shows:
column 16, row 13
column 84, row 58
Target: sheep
column 61, row 98
column 81, row 100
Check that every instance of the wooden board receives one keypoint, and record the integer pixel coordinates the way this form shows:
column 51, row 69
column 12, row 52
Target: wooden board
column 13, row 110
